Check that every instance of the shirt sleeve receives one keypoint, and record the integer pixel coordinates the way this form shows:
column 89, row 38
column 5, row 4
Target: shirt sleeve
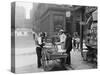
column 39, row 40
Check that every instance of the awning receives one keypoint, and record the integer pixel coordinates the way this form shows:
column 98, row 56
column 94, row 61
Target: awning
column 94, row 14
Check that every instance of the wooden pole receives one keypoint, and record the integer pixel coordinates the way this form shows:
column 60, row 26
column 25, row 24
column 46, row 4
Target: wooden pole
column 81, row 38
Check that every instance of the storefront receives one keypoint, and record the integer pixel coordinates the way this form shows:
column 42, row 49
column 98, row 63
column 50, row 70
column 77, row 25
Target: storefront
column 90, row 33
column 91, row 26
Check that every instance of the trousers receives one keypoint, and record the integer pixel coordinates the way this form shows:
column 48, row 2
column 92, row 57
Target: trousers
column 38, row 52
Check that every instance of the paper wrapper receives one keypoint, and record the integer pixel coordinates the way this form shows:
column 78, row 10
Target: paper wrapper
column 60, row 49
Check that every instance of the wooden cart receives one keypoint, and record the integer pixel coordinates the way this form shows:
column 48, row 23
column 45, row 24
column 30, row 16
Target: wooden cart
column 48, row 55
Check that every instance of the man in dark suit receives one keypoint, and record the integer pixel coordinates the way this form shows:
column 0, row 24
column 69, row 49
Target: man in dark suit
column 68, row 47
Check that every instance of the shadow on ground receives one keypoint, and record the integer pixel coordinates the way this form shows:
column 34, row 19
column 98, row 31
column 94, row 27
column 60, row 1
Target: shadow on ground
column 56, row 68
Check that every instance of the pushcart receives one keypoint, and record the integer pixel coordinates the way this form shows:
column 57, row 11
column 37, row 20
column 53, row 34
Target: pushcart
column 48, row 54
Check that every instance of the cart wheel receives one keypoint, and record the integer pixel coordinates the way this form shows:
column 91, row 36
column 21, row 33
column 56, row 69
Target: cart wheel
column 42, row 59
column 45, row 64
column 45, row 60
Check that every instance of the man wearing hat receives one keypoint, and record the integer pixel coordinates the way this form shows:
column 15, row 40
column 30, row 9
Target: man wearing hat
column 62, row 38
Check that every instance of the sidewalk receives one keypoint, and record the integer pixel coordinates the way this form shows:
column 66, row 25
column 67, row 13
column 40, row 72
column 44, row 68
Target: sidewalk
column 27, row 64
column 25, row 55
column 78, row 63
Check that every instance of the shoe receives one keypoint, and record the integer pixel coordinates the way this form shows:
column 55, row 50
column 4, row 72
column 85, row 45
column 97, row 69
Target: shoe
column 40, row 67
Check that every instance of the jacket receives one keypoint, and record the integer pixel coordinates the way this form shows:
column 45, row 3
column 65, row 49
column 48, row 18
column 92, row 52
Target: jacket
column 68, row 44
